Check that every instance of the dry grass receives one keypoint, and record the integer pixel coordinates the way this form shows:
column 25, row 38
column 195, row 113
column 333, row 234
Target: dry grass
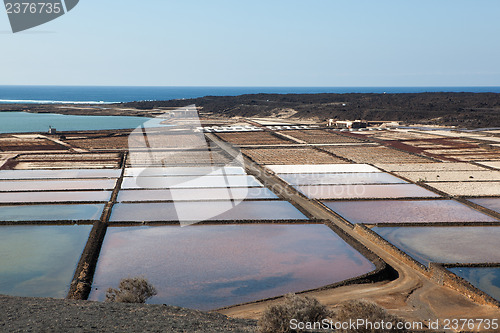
column 276, row 318
column 131, row 290
column 369, row 312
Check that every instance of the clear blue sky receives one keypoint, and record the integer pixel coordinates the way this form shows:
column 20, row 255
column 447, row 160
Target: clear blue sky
column 260, row 43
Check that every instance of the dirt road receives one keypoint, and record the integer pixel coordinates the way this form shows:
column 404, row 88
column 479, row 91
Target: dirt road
column 412, row 295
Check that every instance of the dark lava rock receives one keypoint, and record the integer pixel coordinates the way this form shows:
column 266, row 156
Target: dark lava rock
column 19, row 314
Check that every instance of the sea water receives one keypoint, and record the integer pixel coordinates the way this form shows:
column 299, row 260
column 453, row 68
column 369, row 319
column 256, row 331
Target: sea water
column 22, row 122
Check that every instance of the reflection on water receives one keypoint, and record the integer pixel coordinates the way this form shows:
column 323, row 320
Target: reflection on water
column 190, row 182
column 207, row 267
column 39, row 261
column 446, row 244
column 490, row 203
column 55, row 185
column 57, row 174
column 199, row 211
column 54, row 196
column 237, row 193
column 51, row 212
column 418, row 211
column 365, row 191
column 485, row 278
column 340, row 178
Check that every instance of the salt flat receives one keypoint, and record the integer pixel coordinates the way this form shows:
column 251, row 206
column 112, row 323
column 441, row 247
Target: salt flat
column 468, row 189
column 429, row 166
column 442, row 176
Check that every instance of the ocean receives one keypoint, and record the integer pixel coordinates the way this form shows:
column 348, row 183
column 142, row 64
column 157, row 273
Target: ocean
column 104, row 95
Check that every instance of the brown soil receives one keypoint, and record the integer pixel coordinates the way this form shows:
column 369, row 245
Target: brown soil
column 319, row 136
column 290, row 156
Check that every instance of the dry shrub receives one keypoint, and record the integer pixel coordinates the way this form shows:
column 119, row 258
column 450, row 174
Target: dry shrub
column 131, row 290
column 276, row 318
column 370, row 312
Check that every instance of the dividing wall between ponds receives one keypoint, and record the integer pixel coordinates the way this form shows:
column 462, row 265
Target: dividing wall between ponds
column 486, row 278
column 444, row 276
column 489, row 203
column 435, row 271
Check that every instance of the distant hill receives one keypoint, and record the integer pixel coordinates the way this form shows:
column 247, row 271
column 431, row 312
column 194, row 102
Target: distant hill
column 471, row 110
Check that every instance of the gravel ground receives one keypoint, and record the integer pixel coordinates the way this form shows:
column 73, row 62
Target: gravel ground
column 19, row 314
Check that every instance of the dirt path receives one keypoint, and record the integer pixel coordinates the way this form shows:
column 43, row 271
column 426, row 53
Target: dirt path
column 412, row 295
column 4, row 158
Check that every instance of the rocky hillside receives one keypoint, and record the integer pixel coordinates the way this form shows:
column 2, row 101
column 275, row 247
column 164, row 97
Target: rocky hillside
column 471, row 110
column 18, row 314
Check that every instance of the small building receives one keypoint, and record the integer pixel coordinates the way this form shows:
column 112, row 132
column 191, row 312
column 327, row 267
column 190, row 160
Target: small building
column 347, row 124
column 52, row 130
column 184, row 113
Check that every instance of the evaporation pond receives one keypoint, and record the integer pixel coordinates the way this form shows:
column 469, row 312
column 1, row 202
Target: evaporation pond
column 190, row 181
column 51, row 212
column 54, row 196
column 183, row 171
column 203, row 210
column 235, row 193
column 57, row 174
column 414, row 211
column 207, row 266
column 485, row 278
column 322, row 168
column 39, row 261
column 340, row 178
column 446, row 244
column 55, row 185
column 490, row 203
column 365, row 191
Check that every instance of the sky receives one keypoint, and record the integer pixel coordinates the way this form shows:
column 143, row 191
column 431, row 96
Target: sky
column 259, row 43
